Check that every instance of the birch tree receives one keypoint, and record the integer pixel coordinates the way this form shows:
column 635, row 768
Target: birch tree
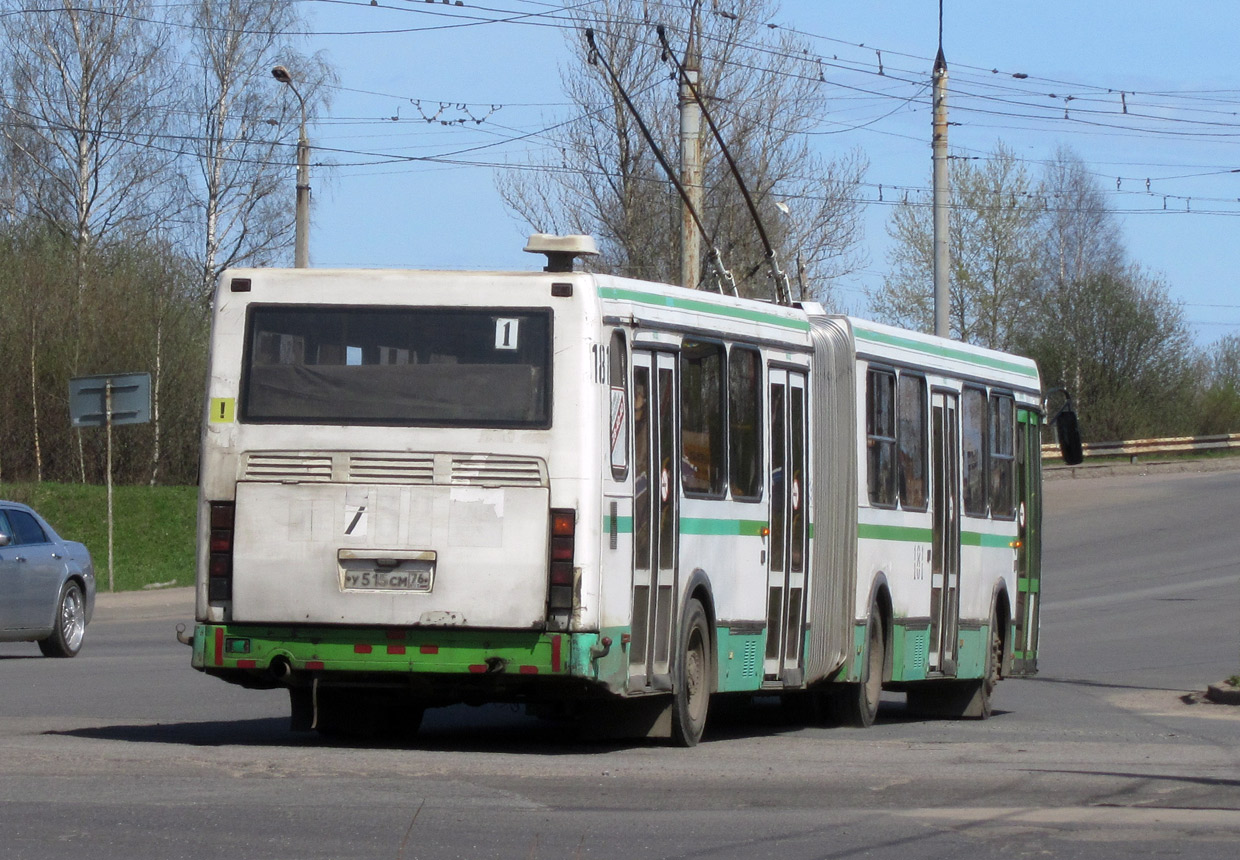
column 994, row 234
column 86, row 103
column 242, row 120
column 599, row 176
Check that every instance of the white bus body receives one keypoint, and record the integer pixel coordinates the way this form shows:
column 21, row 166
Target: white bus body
column 575, row 490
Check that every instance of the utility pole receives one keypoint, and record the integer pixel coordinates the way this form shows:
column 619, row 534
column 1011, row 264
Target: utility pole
column 691, row 159
column 301, row 241
column 942, row 195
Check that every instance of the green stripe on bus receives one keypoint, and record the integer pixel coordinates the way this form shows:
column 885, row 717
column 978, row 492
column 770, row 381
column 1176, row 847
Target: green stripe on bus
column 704, row 526
column 943, row 351
column 624, row 525
column 914, row 534
column 866, row 531
column 701, row 307
column 980, row 539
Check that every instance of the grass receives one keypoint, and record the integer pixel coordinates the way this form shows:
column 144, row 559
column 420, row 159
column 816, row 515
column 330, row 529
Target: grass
column 154, row 528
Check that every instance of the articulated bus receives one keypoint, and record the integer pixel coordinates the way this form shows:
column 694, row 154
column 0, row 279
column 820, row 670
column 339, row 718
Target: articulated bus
column 605, row 498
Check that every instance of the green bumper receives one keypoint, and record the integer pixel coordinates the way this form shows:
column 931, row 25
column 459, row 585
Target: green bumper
column 225, row 648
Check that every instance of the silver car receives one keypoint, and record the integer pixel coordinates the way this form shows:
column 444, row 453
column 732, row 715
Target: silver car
column 47, row 584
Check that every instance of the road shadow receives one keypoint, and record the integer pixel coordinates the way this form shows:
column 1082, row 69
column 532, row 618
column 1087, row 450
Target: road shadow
column 490, row 728
column 498, row 729
column 1104, row 685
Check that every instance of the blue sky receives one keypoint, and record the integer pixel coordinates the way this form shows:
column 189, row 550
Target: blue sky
column 1171, row 66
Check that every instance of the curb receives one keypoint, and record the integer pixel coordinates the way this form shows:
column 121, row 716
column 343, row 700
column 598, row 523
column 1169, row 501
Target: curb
column 1143, row 467
column 151, row 603
column 1223, row 694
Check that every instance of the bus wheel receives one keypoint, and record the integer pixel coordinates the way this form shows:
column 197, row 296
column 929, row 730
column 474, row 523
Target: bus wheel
column 693, row 678
column 355, row 714
column 961, row 700
column 980, row 707
column 857, row 704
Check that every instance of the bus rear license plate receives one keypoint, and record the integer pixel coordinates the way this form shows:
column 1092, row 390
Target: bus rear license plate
column 400, row 571
column 381, row 579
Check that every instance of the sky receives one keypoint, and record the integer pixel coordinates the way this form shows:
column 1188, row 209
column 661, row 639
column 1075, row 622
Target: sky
column 436, row 98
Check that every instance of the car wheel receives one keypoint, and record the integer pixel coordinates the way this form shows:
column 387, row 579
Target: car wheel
column 70, row 626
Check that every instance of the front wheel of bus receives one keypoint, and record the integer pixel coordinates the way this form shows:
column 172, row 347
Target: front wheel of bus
column 693, row 678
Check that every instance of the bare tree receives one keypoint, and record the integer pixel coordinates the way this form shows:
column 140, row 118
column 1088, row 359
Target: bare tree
column 994, row 250
column 85, row 99
column 241, row 120
column 1081, row 238
column 85, row 109
column 1219, row 372
column 599, row 176
column 1121, row 343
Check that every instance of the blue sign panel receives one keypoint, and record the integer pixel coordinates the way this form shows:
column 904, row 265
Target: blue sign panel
column 131, row 399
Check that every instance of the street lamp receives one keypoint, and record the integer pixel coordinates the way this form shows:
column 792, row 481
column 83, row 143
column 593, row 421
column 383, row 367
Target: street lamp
column 301, row 246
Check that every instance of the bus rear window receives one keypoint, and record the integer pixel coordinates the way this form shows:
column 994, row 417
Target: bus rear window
column 398, row 366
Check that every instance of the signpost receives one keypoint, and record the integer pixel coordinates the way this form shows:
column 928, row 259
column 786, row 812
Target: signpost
column 105, row 400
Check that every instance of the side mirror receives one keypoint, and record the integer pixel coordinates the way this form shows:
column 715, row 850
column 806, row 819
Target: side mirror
column 5, row 540
column 1069, row 433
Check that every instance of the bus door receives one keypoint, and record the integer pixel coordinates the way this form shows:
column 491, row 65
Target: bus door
column 945, row 553
column 787, row 543
column 656, row 476
column 1029, row 542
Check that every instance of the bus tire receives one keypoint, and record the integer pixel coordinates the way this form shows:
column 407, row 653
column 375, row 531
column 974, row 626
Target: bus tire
column 961, row 700
column 857, row 704
column 691, row 699
column 355, row 714
column 980, row 708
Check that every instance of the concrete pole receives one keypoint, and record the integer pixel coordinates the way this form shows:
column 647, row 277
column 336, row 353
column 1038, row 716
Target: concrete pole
column 942, row 203
column 301, row 240
column 301, row 246
column 691, row 164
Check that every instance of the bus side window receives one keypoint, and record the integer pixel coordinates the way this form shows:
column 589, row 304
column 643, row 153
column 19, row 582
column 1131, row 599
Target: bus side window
column 880, row 441
column 618, row 378
column 912, row 442
column 1002, row 457
column 973, row 447
column 703, row 464
column 745, row 423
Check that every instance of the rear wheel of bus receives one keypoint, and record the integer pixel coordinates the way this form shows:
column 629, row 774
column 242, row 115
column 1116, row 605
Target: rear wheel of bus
column 354, row 714
column 857, row 704
column 693, row 677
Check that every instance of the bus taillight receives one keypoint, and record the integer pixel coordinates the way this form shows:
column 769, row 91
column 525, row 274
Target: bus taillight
column 220, row 545
column 563, row 540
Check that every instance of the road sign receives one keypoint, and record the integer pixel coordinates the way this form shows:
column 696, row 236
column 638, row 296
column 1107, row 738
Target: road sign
column 131, row 399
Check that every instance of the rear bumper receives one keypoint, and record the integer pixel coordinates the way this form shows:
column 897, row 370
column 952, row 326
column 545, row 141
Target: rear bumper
column 272, row 656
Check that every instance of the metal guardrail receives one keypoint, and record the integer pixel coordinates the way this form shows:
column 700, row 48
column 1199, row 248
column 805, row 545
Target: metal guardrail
column 1138, row 447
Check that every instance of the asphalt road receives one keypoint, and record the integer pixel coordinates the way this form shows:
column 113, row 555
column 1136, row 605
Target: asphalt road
column 126, row 752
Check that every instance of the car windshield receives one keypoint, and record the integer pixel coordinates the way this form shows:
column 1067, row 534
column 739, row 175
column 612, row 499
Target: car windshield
column 398, row 366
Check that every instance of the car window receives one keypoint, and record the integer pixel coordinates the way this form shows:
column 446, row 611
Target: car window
column 26, row 529
column 4, row 527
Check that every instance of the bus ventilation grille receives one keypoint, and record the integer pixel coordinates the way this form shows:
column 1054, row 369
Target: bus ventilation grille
column 498, row 472
column 288, row 467
column 749, row 659
column 395, row 468
column 392, row 469
column 921, row 645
